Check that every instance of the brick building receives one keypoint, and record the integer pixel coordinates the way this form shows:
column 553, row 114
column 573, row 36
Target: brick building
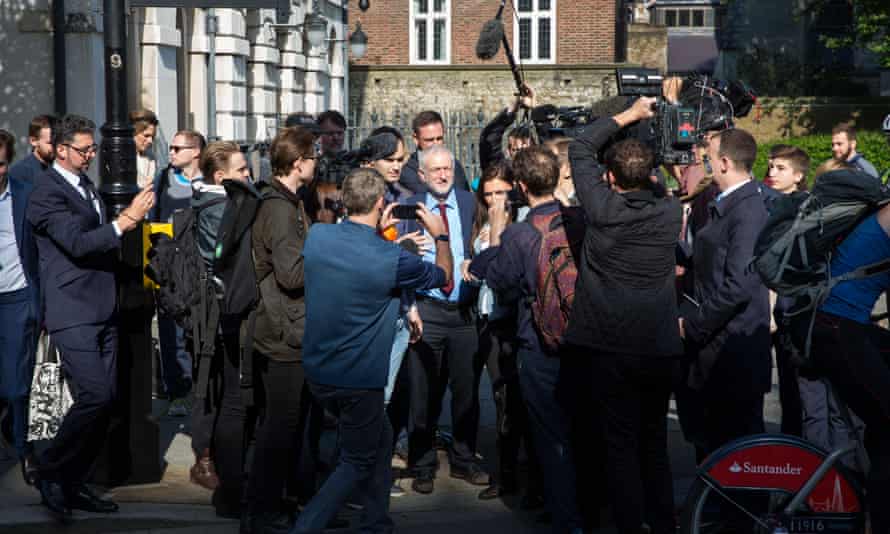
column 421, row 54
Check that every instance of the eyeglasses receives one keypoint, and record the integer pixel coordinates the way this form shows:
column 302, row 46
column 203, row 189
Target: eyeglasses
column 84, row 152
column 176, row 148
column 501, row 193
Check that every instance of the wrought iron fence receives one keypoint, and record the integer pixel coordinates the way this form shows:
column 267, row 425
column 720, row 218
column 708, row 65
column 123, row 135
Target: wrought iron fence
column 462, row 129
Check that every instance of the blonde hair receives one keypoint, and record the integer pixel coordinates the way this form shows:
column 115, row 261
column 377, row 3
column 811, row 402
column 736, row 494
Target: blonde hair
column 216, row 157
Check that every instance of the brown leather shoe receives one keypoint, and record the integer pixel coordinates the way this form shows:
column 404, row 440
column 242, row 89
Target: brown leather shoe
column 203, row 473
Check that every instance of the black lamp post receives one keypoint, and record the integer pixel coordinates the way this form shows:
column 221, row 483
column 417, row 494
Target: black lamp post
column 132, row 448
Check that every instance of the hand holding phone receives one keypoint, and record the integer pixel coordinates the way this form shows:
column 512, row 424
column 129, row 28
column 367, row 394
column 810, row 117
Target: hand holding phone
column 405, row 211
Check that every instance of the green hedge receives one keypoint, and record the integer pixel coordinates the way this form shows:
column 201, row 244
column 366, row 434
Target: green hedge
column 870, row 144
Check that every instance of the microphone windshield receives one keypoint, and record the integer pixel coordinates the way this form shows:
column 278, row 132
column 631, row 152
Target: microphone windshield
column 490, row 39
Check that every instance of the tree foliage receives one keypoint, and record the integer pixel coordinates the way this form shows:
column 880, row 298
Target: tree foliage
column 871, row 26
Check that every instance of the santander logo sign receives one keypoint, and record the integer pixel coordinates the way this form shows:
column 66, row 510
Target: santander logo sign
column 765, row 469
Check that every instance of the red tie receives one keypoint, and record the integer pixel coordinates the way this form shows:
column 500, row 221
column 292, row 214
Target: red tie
column 450, row 287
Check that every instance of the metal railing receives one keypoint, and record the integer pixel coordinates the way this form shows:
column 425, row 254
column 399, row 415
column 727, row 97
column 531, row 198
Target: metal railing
column 462, row 129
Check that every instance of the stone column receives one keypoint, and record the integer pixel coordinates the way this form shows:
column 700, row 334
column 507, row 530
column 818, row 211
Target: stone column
column 292, row 67
column 197, row 40
column 262, row 77
column 317, row 78
column 85, row 67
column 232, row 51
column 158, row 82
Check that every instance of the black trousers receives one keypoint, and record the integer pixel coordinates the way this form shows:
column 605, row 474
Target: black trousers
column 89, row 360
column 446, row 356
column 282, row 388
column 727, row 417
column 789, row 390
column 498, row 347
column 856, row 360
column 219, row 421
column 632, row 393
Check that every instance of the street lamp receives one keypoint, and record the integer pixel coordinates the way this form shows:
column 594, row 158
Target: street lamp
column 358, row 42
column 316, row 29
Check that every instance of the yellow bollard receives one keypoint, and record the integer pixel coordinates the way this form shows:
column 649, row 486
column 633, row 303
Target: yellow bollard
column 147, row 230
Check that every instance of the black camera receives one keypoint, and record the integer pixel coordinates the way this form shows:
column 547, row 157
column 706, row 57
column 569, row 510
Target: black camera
column 705, row 104
column 335, row 206
column 333, row 168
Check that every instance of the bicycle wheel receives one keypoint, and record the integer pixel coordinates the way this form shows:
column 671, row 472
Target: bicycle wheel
column 745, row 486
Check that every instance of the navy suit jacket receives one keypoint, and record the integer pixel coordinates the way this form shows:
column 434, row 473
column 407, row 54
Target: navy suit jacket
column 466, row 206
column 78, row 255
column 27, row 168
column 24, row 238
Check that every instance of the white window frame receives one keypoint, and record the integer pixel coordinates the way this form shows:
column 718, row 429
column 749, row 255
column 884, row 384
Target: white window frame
column 430, row 17
column 535, row 14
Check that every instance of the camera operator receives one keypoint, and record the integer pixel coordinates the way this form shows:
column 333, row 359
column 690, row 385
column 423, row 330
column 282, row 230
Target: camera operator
column 332, row 165
column 492, row 137
column 623, row 315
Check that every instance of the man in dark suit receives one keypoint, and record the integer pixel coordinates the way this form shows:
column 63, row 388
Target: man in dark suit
column 19, row 303
column 429, row 131
column 450, row 340
column 41, row 156
column 729, row 329
column 77, row 242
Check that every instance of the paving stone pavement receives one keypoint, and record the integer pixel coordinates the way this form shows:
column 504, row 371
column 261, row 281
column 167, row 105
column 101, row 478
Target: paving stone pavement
column 175, row 506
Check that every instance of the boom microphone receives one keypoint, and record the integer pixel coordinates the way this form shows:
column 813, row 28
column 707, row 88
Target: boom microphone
column 490, row 39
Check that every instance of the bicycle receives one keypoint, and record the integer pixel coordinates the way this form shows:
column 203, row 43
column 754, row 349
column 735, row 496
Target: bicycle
column 775, row 483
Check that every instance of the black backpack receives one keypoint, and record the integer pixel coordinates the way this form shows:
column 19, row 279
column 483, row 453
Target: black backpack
column 794, row 250
column 175, row 264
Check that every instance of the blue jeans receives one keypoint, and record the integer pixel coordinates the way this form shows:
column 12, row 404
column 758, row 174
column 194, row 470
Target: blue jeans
column 176, row 364
column 364, row 464
column 399, row 347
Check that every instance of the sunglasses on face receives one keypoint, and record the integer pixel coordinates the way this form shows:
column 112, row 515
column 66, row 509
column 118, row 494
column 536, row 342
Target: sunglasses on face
column 177, row 148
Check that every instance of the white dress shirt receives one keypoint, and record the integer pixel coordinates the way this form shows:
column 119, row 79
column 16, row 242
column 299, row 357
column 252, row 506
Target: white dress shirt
column 74, row 180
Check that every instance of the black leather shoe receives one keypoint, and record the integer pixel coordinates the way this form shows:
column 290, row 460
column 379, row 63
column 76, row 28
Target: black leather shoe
column 472, row 474
column 82, row 498
column 53, row 498
column 29, row 470
column 423, row 484
column 489, row 493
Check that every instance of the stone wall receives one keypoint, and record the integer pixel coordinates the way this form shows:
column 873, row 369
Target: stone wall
column 26, row 67
column 775, row 118
column 409, row 90
column 647, row 46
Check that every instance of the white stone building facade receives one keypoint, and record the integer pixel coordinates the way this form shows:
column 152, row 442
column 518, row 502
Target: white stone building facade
column 262, row 74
